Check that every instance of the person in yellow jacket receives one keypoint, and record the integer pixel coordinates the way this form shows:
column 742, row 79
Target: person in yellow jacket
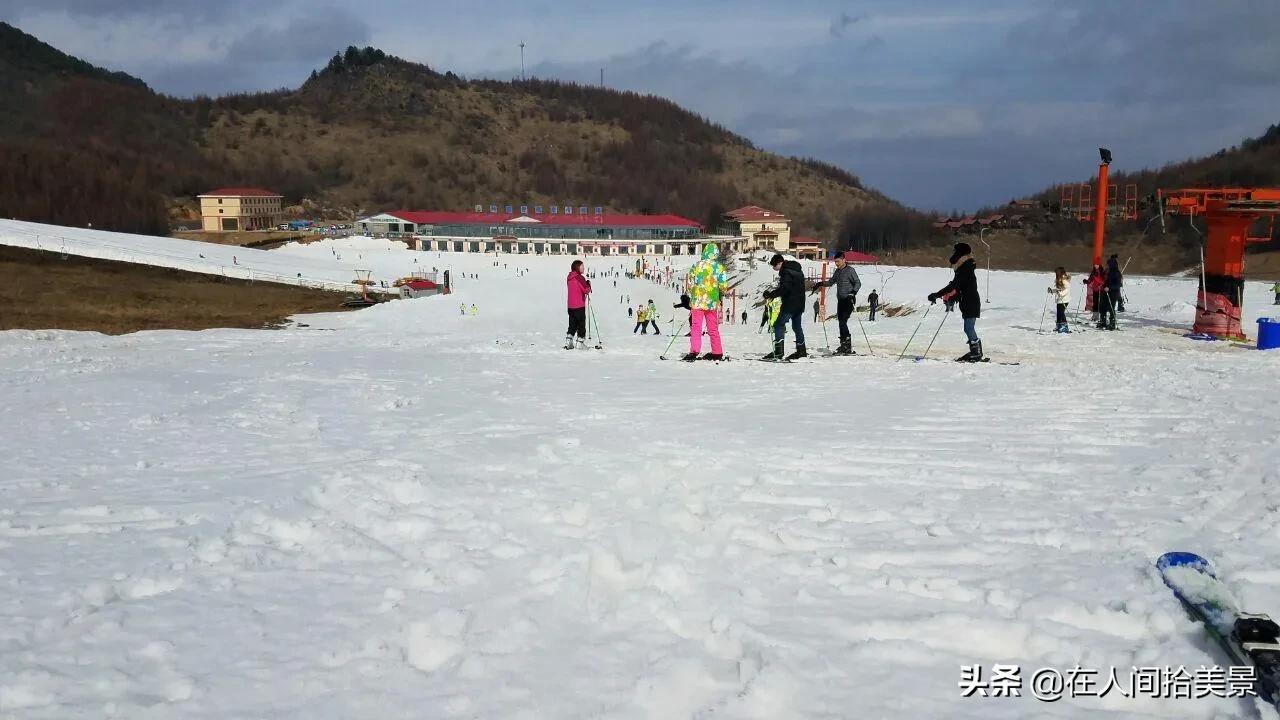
column 1276, row 289
column 642, row 321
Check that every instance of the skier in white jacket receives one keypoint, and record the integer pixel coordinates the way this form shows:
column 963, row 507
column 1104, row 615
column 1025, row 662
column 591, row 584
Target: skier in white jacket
column 1061, row 289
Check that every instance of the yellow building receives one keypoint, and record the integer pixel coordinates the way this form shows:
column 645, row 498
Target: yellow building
column 764, row 229
column 239, row 208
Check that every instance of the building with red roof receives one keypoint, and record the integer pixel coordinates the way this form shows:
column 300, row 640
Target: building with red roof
column 859, row 258
column 806, row 247
column 764, row 229
column 539, row 230
column 230, row 209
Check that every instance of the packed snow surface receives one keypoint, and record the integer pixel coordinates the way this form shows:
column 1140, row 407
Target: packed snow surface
column 411, row 512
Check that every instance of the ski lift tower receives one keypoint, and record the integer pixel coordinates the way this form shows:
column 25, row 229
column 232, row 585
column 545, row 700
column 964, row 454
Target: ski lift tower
column 1228, row 213
column 364, row 278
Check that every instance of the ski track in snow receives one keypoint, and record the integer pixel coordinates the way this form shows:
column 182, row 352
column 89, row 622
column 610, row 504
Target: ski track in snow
column 421, row 514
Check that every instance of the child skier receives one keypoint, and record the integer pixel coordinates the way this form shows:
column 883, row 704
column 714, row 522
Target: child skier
column 651, row 312
column 965, row 284
column 1061, row 289
column 706, row 283
column 790, row 291
column 642, row 321
column 578, row 288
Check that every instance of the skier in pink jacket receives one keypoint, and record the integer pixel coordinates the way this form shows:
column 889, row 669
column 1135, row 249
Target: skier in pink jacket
column 578, row 288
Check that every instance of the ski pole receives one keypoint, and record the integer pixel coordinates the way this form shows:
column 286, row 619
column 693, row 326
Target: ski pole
column 935, row 335
column 864, row 331
column 663, row 356
column 913, row 332
column 1043, row 310
column 599, row 340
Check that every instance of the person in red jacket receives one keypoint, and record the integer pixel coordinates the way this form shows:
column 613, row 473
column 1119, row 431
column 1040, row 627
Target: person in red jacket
column 1096, row 284
column 578, row 288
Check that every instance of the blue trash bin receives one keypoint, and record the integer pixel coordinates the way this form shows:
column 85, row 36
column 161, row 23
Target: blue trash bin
column 1268, row 333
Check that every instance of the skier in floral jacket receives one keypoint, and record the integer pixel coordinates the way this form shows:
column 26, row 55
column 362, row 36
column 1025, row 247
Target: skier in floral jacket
column 706, row 284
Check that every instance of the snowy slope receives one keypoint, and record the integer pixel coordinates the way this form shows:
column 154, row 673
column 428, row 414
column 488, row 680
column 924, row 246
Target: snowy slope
column 292, row 268
column 405, row 512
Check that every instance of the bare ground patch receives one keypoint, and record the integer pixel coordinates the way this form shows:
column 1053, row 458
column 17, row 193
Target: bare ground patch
column 42, row 290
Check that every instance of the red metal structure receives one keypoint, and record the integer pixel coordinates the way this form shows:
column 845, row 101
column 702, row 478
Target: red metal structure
column 1100, row 216
column 1228, row 213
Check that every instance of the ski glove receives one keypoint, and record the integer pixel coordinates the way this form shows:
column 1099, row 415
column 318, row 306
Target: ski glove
column 933, row 298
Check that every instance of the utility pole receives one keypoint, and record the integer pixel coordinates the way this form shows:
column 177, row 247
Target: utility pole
column 601, row 77
column 521, row 61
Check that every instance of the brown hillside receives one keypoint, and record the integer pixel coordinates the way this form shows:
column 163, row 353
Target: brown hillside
column 371, row 132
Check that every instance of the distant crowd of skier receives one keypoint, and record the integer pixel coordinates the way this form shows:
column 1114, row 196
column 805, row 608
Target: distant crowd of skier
column 784, row 304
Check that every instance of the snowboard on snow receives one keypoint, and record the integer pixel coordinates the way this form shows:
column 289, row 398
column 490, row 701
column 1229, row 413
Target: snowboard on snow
column 1246, row 638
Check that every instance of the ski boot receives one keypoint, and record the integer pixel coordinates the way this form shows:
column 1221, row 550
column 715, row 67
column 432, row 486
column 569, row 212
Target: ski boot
column 846, row 347
column 974, row 354
column 712, row 356
column 689, row 357
column 799, row 353
column 777, row 352
column 568, row 342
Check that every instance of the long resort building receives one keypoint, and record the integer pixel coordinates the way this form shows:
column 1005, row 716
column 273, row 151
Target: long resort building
column 534, row 232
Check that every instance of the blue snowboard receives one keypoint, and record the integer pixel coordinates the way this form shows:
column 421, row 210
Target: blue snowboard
column 1247, row 639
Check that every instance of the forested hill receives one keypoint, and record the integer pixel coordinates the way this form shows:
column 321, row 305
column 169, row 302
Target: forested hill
column 370, row 132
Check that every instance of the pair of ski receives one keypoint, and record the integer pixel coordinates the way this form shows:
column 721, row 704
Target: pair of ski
column 1247, row 639
column 969, row 362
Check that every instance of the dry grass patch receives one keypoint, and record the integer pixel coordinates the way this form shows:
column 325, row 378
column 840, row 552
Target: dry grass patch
column 41, row 290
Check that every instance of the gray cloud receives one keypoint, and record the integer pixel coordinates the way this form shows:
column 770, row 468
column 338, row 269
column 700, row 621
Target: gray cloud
column 311, row 37
column 842, row 23
column 109, row 9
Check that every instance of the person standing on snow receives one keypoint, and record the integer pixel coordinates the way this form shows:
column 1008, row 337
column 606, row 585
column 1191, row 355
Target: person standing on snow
column 651, row 312
column 965, row 284
column 874, row 300
column 1061, row 289
column 790, row 292
column 1095, row 283
column 474, row 309
column 1115, row 283
column 847, row 284
column 462, row 309
column 817, row 308
column 642, row 321
column 1107, row 297
column 578, row 288
column 744, row 312
column 1276, row 289
column 706, row 284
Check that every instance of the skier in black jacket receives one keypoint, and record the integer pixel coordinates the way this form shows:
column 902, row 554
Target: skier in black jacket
column 965, row 282
column 1115, row 296
column 791, row 292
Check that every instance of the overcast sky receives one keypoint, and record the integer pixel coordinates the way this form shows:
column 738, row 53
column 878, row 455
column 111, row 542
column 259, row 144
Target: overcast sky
column 942, row 104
